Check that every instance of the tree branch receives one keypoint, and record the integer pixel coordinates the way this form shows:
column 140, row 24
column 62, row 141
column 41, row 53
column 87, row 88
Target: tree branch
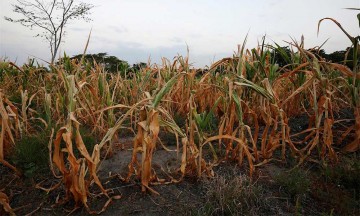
column 40, row 14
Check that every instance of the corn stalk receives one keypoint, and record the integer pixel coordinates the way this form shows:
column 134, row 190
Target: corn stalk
column 74, row 171
column 354, row 85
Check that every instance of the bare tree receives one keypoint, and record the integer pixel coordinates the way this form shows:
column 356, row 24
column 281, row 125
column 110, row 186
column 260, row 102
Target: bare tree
column 51, row 17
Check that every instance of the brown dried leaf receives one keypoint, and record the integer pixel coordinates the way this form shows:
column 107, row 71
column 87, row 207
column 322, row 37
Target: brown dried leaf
column 4, row 201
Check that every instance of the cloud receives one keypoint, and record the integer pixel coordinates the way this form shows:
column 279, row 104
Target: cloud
column 276, row 3
column 135, row 29
column 195, row 35
column 177, row 40
column 78, row 29
column 118, row 29
column 135, row 54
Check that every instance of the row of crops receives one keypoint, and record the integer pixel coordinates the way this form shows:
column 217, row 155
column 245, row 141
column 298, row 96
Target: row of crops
column 240, row 109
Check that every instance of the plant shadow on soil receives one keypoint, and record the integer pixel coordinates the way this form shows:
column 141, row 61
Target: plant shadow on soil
column 276, row 188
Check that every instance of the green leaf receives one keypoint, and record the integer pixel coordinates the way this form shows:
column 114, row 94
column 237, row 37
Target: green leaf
column 211, row 112
column 257, row 88
column 238, row 107
column 166, row 88
column 283, row 53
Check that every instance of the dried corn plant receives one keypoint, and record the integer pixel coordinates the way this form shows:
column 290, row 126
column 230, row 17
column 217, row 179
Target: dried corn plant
column 10, row 129
column 148, row 128
column 353, row 84
column 77, row 172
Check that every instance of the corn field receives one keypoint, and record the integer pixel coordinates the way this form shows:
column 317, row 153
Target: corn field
column 249, row 97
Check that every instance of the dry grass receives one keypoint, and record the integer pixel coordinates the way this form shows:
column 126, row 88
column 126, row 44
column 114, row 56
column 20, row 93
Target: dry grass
column 234, row 194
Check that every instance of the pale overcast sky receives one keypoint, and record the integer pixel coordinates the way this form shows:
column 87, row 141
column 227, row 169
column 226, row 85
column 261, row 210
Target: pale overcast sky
column 134, row 30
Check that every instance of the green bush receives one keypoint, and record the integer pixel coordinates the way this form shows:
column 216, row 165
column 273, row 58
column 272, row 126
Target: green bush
column 31, row 154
